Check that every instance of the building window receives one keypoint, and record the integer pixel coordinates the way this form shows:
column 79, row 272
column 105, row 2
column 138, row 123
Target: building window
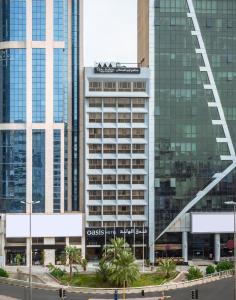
column 124, row 148
column 123, row 210
column 95, row 133
column 13, row 86
column 109, row 210
column 95, row 179
column 95, row 195
column 38, row 170
column 38, row 85
column 138, row 179
column 13, row 170
column 13, row 20
column 95, row 148
column 123, row 102
column 138, row 164
column 124, row 195
column 95, row 118
column 124, row 118
column 124, row 133
column 138, row 195
column 138, row 148
column 109, row 133
column 56, row 170
column 109, row 195
column 123, row 224
column 124, row 163
column 95, row 210
column 95, row 224
column 138, row 118
column 109, row 148
column 109, row 118
column 124, row 86
column 139, row 86
column 109, row 179
column 38, row 20
column 138, row 210
column 95, row 164
column 109, row 164
column 58, row 17
column 58, row 86
column 95, row 86
column 109, row 86
column 109, row 224
column 95, row 102
column 138, row 102
column 109, row 102
column 123, row 179
column 138, row 133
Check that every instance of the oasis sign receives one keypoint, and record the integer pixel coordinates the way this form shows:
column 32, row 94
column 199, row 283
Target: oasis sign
column 116, row 231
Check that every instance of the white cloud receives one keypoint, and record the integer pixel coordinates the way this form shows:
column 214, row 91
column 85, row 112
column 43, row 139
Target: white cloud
column 110, row 31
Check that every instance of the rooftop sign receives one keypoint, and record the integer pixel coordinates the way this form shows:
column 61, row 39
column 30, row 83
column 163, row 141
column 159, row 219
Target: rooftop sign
column 115, row 68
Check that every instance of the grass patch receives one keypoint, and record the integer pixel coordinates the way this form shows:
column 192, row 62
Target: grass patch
column 92, row 281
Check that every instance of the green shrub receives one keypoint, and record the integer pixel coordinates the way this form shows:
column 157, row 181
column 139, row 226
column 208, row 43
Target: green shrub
column 58, row 273
column 224, row 265
column 194, row 273
column 3, row 273
column 210, row 269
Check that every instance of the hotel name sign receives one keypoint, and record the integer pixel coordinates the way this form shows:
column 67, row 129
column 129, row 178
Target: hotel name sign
column 115, row 68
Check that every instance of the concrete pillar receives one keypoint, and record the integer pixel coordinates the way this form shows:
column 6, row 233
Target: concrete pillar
column 2, row 241
column 217, row 247
column 27, row 252
column 185, row 246
column 49, row 253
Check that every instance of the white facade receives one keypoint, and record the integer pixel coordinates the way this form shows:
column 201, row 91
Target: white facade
column 116, row 149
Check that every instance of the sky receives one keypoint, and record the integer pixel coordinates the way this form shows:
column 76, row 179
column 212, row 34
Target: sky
column 110, row 31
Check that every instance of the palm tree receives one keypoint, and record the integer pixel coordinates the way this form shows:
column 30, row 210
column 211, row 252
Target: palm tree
column 73, row 256
column 167, row 267
column 117, row 246
column 123, row 270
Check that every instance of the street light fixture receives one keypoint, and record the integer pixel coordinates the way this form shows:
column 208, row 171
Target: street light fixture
column 234, row 205
column 30, row 236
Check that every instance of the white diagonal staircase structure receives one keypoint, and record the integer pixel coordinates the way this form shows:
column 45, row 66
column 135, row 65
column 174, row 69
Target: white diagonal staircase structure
column 217, row 177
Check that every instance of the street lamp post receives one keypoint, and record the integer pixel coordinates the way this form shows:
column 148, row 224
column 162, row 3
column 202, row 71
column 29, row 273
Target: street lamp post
column 30, row 236
column 234, row 205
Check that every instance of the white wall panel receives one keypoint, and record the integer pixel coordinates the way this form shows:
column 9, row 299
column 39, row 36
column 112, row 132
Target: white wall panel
column 56, row 225
column 212, row 223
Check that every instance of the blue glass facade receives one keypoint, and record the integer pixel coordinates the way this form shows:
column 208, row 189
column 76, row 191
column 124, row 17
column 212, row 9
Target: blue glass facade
column 58, row 17
column 38, row 85
column 58, row 86
column 56, row 171
column 38, row 20
column 13, row 20
column 13, row 92
column 12, row 170
column 13, row 86
column 38, row 170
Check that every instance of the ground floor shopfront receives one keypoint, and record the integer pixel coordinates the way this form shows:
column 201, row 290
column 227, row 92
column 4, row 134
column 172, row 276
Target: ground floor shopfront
column 50, row 234
column 199, row 236
column 96, row 239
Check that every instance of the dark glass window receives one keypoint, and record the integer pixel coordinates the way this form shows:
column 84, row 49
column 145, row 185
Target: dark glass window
column 57, row 171
column 12, row 170
column 38, row 85
column 38, row 170
column 13, row 85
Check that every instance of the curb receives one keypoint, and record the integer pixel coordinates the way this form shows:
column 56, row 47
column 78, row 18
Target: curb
column 136, row 290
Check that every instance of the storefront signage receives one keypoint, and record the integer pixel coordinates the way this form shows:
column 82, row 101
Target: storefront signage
column 116, row 231
column 115, row 68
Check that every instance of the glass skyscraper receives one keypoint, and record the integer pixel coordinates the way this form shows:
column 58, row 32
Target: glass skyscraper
column 39, row 67
column 189, row 46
